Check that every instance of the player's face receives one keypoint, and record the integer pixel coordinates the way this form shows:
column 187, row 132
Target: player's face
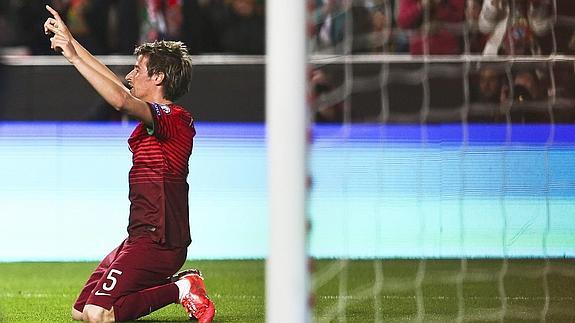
column 138, row 80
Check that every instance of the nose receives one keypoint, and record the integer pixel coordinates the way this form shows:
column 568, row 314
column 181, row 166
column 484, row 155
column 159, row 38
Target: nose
column 128, row 76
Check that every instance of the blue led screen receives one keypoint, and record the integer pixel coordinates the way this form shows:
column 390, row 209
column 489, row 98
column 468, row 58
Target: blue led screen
column 378, row 191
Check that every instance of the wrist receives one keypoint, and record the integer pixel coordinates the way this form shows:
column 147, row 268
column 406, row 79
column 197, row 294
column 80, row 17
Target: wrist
column 74, row 59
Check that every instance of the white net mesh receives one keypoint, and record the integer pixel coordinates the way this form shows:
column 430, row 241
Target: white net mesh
column 450, row 191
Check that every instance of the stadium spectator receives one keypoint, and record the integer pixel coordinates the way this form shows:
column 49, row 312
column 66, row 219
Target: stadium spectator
column 520, row 98
column 487, row 94
column 489, row 85
column 328, row 17
column 527, row 99
column 174, row 18
column 514, row 26
column 536, row 99
column 370, row 27
column 243, row 30
column 431, row 25
column 384, row 36
column 133, row 280
column 153, row 25
column 382, row 30
column 161, row 19
column 528, row 86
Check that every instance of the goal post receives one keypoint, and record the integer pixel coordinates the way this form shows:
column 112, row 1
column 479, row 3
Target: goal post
column 286, row 264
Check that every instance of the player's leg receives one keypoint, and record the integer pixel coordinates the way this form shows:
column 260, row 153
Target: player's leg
column 136, row 283
column 94, row 313
column 88, row 288
column 189, row 291
column 144, row 302
column 77, row 315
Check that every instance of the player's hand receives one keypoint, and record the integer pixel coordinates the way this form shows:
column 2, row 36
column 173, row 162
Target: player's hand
column 62, row 38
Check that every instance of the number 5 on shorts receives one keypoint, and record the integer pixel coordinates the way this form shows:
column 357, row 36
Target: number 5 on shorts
column 111, row 278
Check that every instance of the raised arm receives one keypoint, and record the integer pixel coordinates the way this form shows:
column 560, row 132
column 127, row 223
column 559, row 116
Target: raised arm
column 492, row 12
column 82, row 52
column 102, row 79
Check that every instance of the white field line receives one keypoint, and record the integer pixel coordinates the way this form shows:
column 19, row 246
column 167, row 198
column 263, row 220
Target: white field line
column 327, row 297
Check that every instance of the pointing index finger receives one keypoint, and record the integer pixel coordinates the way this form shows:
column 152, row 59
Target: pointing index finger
column 54, row 13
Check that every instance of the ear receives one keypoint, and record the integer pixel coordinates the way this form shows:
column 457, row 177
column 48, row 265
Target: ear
column 158, row 78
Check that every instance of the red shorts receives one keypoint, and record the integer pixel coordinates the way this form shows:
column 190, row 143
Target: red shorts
column 136, row 264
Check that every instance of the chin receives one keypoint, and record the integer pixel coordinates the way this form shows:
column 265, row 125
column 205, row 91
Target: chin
column 134, row 93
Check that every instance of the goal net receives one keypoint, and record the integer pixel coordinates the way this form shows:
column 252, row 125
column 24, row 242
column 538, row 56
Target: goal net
column 443, row 179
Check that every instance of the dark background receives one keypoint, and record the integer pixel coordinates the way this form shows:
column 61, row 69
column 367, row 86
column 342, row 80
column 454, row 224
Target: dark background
column 236, row 93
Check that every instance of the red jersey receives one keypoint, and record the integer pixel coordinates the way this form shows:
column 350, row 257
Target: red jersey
column 158, row 186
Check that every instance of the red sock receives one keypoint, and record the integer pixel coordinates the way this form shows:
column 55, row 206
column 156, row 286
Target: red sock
column 144, row 302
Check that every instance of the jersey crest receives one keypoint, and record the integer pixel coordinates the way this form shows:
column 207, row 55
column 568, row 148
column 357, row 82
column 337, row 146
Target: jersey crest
column 166, row 109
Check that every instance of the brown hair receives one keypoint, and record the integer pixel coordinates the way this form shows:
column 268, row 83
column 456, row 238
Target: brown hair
column 172, row 59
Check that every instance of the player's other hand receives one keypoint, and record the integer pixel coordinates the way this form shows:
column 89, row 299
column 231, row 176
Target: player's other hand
column 61, row 40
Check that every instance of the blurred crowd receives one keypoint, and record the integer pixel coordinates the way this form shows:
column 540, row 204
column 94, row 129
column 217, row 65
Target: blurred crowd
column 116, row 26
column 524, row 91
column 521, row 92
column 444, row 27
column 491, row 27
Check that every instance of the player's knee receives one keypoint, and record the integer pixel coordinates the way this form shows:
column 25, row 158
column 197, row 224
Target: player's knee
column 96, row 314
column 77, row 315
column 92, row 315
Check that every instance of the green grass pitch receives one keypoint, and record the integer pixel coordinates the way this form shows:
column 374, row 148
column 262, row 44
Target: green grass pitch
column 359, row 290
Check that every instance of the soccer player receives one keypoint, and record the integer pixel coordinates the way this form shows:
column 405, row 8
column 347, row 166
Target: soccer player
column 134, row 279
